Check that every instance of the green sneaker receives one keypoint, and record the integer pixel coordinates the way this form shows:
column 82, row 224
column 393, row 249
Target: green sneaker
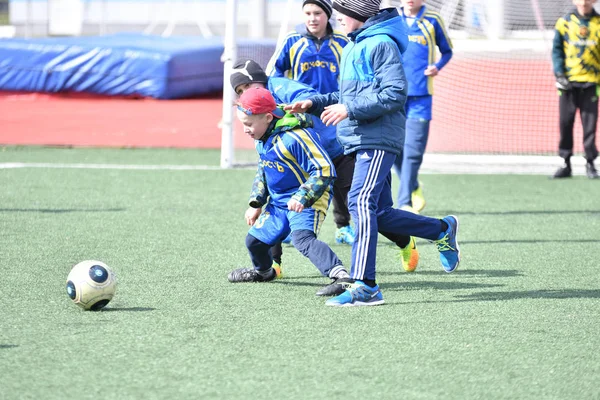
column 417, row 199
column 410, row 256
column 278, row 269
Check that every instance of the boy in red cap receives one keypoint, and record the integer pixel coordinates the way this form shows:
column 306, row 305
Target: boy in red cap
column 293, row 183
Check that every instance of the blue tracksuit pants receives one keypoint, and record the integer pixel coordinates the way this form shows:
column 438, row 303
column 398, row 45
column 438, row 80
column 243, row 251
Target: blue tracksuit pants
column 371, row 207
column 408, row 165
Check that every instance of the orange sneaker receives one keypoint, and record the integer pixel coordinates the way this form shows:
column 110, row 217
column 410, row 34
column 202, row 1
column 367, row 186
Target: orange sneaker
column 410, row 256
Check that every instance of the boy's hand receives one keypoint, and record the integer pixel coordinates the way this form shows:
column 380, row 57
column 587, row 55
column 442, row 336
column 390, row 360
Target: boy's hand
column 334, row 114
column 252, row 215
column 563, row 83
column 295, row 205
column 299, row 106
column 431, row 70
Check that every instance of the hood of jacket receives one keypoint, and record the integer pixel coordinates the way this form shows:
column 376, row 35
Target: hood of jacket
column 287, row 123
column 386, row 22
column 303, row 31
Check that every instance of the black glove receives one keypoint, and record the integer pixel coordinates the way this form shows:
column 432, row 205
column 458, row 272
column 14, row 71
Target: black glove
column 562, row 83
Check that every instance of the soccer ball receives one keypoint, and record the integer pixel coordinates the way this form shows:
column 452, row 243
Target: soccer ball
column 91, row 285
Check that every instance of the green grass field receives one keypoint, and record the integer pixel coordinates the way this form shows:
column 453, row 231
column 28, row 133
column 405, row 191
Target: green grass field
column 520, row 319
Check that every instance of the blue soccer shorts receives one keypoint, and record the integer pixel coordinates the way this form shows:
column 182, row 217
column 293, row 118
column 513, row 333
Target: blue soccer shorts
column 276, row 223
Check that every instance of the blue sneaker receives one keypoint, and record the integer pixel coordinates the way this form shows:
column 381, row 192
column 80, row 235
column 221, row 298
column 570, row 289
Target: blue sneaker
column 447, row 245
column 345, row 235
column 357, row 294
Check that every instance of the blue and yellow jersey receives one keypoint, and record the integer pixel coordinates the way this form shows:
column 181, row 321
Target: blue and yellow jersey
column 293, row 164
column 425, row 35
column 576, row 47
column 304, row 58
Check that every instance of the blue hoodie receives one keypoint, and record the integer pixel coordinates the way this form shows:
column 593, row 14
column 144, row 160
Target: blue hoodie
column 373, row 86
column 287, row 91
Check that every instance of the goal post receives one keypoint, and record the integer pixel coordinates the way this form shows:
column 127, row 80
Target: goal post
column 496, row 96
column 228, row 58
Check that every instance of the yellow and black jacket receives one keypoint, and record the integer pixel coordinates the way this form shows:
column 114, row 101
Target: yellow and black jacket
column 576, row 48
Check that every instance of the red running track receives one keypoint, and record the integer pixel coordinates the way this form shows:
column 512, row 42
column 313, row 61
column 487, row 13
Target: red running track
column 492, row 106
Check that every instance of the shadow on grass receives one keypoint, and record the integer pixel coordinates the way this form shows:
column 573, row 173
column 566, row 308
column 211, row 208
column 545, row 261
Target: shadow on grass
column 8, row 346
column 517, row 295
column 403, row 286
column 531, row 294
column 486, row 273
column 424, row 285
column 60, row 210
column 127, row 309
column 296, row 283
column 515, row 212
column 518, row 241
column 533, row 241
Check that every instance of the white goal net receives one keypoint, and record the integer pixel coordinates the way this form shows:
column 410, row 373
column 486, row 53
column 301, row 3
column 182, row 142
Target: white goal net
column 495, row 97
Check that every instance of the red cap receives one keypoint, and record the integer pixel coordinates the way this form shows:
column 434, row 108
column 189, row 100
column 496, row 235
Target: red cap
column 259, row 101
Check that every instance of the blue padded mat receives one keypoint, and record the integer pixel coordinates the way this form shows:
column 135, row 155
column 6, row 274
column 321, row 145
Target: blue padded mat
column 121, row 64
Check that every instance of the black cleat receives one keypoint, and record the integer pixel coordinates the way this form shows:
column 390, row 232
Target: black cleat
column 336, row 287
column 590, row 171
column 249, row 275
column 563, row 172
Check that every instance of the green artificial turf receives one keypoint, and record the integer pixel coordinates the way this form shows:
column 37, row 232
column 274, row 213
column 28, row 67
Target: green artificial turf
column 518, row 320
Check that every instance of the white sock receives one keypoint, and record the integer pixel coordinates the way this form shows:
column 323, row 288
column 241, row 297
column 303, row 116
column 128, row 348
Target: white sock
column 338, row 272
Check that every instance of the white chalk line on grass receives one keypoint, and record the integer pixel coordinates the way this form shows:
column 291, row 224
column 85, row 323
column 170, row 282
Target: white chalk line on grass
column 110, row 166
column 432, row 164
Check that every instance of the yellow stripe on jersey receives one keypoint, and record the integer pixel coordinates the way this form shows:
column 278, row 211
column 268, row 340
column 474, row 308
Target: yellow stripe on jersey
column 336, row 49
column 289, row 160
column 301, row 175
column 340, row 36
column 337, row 43
column 295, row 55
column 313, row 150
column 322, row 205
column 270, row 70
column 319, row 219
column 429, row 32
column 440, row 22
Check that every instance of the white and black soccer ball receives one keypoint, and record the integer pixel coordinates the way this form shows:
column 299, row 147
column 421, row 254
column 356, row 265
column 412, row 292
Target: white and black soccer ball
column 91, row 285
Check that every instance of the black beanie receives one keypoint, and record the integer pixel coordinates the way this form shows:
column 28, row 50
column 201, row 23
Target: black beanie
column 324, row 4
column 359, row 10
column 247, row 71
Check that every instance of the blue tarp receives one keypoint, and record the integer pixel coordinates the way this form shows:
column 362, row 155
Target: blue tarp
column 120, row 64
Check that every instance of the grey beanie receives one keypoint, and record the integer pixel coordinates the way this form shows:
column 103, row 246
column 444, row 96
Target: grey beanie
column 357, row 9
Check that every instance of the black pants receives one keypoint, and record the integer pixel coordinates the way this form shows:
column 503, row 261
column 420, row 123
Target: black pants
column 586, row 101
column 344, row 168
